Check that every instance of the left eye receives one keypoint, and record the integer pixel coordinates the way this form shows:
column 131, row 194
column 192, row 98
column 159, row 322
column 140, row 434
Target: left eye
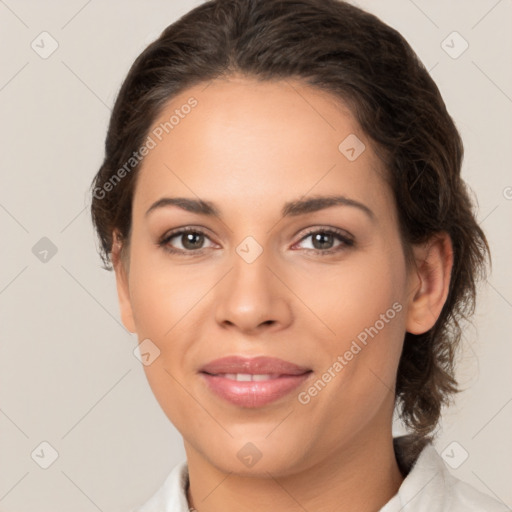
column 324, row 240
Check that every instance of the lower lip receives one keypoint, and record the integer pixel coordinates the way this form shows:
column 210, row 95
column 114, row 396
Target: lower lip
column 253, row 393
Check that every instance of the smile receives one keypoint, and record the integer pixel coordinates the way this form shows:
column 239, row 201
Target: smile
column 252, row 382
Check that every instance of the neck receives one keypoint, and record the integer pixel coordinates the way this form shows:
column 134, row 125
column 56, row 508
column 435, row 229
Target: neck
column 363, row 476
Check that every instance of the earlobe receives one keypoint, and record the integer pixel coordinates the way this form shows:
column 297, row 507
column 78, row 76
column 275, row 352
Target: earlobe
column 123, row 291
column 434, row 262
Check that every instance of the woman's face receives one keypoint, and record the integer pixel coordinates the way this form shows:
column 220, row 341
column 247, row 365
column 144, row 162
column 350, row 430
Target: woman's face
column 277, row 272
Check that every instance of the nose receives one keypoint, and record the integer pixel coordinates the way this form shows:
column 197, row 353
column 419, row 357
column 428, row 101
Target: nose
column 251, row 299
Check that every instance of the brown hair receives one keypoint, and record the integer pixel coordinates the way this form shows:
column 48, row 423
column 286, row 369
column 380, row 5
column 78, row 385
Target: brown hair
column 354, row 56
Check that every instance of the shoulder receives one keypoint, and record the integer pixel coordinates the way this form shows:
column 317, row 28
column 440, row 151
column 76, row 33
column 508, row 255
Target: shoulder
column 429, row 486
column 465, row 497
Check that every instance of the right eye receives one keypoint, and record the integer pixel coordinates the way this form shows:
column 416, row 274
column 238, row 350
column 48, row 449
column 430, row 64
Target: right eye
column 185, row 240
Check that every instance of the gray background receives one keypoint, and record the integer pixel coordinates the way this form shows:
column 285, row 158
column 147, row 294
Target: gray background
column 68, row 375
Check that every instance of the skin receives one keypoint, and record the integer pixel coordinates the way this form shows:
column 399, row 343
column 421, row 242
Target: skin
column 249, row 147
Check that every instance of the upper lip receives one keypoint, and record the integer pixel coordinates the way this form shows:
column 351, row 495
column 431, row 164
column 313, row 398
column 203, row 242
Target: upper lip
column 253, row 366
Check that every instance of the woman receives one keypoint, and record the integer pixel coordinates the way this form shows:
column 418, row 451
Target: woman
column 294, row 246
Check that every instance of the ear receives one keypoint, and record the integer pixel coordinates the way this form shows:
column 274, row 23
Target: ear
column 122, row 283
column 430, row 283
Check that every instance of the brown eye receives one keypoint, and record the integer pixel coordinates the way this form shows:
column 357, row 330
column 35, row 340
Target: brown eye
column 188, row 240
column 192, row 240
column 326, row 241
column 323, row 240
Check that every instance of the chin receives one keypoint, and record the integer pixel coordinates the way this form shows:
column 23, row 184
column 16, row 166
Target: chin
column 256, row 455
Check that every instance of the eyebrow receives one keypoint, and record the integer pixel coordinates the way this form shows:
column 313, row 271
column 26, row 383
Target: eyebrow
column 190, row 205
column 290, row 209
column 316, row 203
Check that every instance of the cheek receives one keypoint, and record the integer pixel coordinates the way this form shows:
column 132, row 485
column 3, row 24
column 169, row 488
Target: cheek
column 353, row 297
column 364, row 304
column 163, row 308
column 151, row 305
column 160, row 296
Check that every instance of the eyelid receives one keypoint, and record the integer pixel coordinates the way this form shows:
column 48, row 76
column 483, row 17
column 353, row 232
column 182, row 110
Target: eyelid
column 326, row 229
column 184, row 229
column 163, row 241
column 346, row 239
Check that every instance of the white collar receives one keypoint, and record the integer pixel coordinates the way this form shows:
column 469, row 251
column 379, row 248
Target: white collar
column 428, row 487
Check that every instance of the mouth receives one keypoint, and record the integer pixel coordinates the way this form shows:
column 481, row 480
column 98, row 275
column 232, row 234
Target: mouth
column 253, row 382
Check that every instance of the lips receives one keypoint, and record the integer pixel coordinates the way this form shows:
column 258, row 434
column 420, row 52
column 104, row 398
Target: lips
column 252, row 382
column 253, row 366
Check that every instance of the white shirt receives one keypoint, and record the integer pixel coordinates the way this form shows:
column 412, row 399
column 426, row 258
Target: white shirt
column 428, row 487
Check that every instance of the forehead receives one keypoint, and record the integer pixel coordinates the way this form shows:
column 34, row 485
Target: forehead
column 248, row 139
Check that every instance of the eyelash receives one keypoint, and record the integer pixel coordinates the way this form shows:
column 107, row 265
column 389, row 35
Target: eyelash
column 347, row 242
